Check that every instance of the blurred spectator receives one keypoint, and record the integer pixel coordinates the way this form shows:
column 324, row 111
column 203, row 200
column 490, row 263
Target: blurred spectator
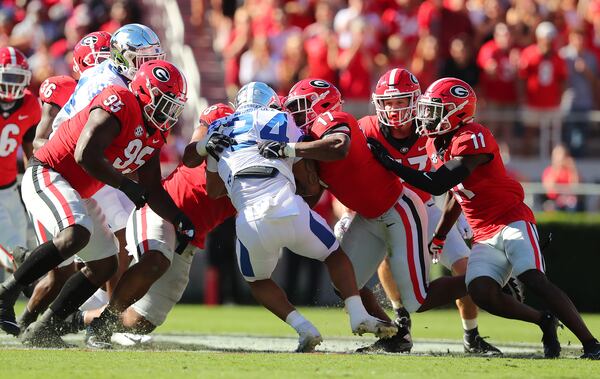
column 239, row 40
column 29, row 34
column 579, row 96
column 292, row 66
column 544, row 74
column 123, row 12
column 562, row 171
column 400, row 21
column 425, row 65
column 511, row 170
column 300, row 12
column 257, row 65
column 7, row 23
column 320, row 44
column 461, row 63
column 445, row 20
column 279, row 32
column 492, row 13
column 396, row 54
column 354, row 63
column 498, row 61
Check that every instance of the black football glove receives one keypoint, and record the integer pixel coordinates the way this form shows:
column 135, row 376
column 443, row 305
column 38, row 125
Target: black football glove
column 214, row 144
column 135, row 192
column 272, row 149
column 185, row 231
column 381, row 154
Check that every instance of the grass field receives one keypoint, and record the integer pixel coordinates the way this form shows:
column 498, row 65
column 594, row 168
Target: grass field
column 253, row 328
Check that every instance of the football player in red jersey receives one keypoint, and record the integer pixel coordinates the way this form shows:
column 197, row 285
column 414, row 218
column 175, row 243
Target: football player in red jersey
column 20, row 113
column 119, row 132
column 387, row 213
column 54, row 93
column 395, row 100
column 468, row 162
column 150, row 288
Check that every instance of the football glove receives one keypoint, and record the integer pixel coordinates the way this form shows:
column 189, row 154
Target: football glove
column 185, row 231
column 381, row 154
column 464, row 228
column 214, row 144
column 436, row 246
column 134, row 191
column 341, row 227
column 276, row 149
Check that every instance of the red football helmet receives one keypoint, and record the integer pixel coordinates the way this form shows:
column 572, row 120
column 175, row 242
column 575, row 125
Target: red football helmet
column 215, row 112
column 14, row 74
column 309, row 98
column 91, row 50
column 396, row 84
column 446, row 105
column 161, row 90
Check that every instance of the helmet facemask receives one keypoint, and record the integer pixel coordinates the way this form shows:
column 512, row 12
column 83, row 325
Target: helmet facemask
column 404, row 114
column 302, row 109
column 433, row 116
column 129, row 61
column 13, row 82
column 164, row 109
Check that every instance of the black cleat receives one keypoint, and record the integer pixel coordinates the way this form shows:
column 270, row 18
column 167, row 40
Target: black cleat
column 98, row 334
column 549, row 324
column 9, row 293
column 592, row 351
column 399, row 343
column 45, row 332
column 475, row 344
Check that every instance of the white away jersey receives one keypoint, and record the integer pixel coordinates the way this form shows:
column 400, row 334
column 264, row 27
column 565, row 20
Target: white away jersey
column 91, row 83
column 249, row 128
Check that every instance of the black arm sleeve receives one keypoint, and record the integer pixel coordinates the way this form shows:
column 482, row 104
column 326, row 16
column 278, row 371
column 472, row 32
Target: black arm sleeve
column 29, row 134
column 438, row 182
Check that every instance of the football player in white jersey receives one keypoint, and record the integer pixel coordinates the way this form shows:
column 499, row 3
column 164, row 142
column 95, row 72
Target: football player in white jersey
column 271, row 216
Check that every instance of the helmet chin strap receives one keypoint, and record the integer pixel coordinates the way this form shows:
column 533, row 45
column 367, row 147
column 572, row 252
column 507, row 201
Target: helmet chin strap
column 445, row 119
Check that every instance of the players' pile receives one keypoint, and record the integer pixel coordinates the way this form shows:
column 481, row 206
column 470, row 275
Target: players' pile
column 104, row 218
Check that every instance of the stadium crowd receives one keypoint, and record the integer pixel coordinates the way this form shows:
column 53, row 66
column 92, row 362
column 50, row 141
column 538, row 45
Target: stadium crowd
column 540, row 54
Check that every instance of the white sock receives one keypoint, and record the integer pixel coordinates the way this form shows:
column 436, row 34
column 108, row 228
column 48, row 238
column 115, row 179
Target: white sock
column 469, row 324
column 295, row 320
column 355, row 307
column 396, row 304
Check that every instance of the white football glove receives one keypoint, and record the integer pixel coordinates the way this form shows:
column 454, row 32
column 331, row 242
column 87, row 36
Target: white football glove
column 342, row 225
column 463, row 227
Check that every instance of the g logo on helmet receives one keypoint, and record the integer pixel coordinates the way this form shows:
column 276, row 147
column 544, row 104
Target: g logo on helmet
column 161, row 74
column 413, row 79
column 319, row 83
column 459, row 91
column 89, row 41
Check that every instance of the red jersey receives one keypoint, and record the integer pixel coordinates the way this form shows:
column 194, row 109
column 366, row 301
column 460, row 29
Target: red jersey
column 187, row 188
column 544, row 77
column 489, row 198
column 57, row 90
column 500, row 87
column 358, row 181
column 127, row 152
column 16, row 125
column 414, row 156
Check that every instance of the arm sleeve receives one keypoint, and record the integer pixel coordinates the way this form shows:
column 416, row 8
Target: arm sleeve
column 437, row 182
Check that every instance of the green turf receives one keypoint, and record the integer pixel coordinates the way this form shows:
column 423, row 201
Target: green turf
column 84, row 364
column 443, row 324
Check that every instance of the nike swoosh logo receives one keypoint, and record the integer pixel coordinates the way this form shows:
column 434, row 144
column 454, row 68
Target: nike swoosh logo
column 155, row 141
column 22, row 117
column 421, row 148
column 388, row 225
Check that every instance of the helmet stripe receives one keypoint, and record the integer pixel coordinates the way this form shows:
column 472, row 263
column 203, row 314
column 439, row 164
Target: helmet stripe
column 393, row 77
column 13, row 55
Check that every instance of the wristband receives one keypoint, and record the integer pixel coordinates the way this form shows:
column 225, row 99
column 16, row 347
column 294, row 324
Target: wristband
column 438, row 240
column 290, row 150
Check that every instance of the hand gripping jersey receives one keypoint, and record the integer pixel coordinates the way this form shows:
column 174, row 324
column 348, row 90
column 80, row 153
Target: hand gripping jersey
column 91, row 83
column 358, row 181
column 14, row 125
column 249, row 128
column 130, row 149
column 57, row 90
column 489, row 198
column 187, row 188
column 414, row 156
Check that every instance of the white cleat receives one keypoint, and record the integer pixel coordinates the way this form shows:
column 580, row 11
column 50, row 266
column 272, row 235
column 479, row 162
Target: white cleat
column 380, row 328
column 130, row 339
column 307, row 342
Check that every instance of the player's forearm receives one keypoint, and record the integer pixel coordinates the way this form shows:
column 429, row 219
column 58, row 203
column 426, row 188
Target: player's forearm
column 215, row 187
column 449, row 216
column 325, row 149
column 162, row 204
column 191, row 158
column 436, row 183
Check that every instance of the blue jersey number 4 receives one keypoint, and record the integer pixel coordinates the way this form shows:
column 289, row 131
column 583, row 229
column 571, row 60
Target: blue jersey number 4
column 275, row 129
